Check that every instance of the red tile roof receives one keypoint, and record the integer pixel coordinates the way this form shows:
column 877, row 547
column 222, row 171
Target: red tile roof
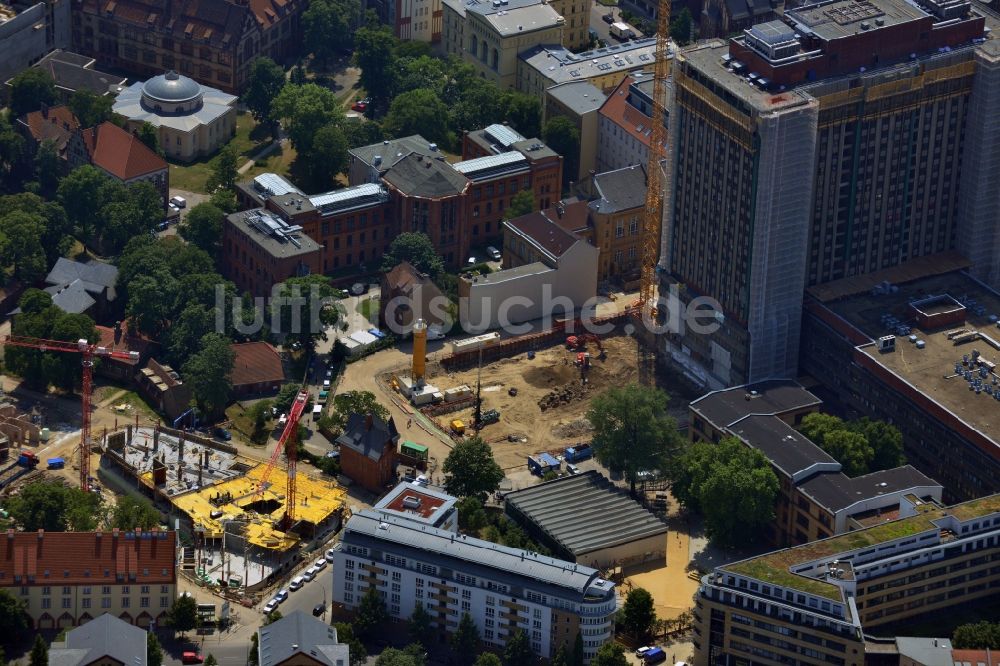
column 56, row 123
column 87, row 558
column 619, row 111
column 544, row 232
column 126, row 342
column 256, row 363
column 120, row 153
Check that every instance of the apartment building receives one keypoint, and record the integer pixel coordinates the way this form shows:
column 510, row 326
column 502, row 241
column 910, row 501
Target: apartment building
column 625, row 123
column 502, row 589
column 874, row 100
column 578, row 102
column 411, row 20
column 816, row 499
column 813, row 603
column 213, row 41
column 616, row 210
column 260, row 250
column 491, row 34
column 69, row 578
column 947, row 425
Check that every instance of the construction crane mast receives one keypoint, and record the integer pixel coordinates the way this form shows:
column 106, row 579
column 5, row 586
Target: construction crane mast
column 287, row 443
column 658, row 163
column 89, row 352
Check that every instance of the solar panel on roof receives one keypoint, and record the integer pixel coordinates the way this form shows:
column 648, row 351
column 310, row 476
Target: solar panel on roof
column 503, row 135
column 489, row 162
column 274, row 185
column 366, row 190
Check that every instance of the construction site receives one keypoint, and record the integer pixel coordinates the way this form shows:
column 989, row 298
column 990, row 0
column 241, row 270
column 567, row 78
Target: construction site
column 235, row 510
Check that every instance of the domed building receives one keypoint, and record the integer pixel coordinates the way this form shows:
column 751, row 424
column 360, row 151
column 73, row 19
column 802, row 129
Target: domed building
column 193, row 120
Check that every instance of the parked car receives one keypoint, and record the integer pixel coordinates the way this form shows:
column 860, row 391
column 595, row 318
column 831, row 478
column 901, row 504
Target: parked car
column 493, row 252
column 641, row 652
column 318, row 610
column 654, row 656
column 283, row 420
column 180, row 202
column 326, row 384
column 297, row 583
column 310, row 574
column 281, row 595
column 330, row 555
column 609, row 18
column 270, row 607
column 320, row 564
column 223, row 434
column 191, row 658
column 172, row 210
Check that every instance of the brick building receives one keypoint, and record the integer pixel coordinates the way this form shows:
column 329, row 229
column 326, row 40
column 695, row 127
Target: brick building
column 368, row 451
column 213, row 41
column 260, row 250
column 257, row 369
column 69, row 578
column 120, row 155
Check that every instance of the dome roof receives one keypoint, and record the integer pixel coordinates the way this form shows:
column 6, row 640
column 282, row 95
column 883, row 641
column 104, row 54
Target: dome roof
column 171, row 87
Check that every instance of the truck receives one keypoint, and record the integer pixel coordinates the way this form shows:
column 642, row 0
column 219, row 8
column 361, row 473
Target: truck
column 578, row 453
column 621, row 30
column 56, row 463
column 540, row 463
column 654, row 656
column 27, row 459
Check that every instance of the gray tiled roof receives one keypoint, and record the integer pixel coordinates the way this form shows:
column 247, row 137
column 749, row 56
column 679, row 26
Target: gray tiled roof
column 366, row 441
column 418, row 176
column 71, row 298
column 105, row 636
column 772, row 397
column 784, row 446
column 298, row 633
column 621, row 189
column 369, row 528
column 838, row 491
column 585, row 512
column 391, row 150
column 95, row 275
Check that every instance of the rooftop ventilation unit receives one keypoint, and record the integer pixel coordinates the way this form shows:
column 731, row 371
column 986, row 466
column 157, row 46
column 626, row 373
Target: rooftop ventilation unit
column 411, row 502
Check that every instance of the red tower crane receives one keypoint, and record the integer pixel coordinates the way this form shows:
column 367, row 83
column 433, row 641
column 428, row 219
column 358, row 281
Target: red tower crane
column 287, row 443
column 88, row 351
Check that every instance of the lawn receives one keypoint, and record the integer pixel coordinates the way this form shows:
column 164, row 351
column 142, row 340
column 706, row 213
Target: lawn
column 136, row 405
column 368, row 309
column 279, row 162
column 240, row 423
column 192, row 176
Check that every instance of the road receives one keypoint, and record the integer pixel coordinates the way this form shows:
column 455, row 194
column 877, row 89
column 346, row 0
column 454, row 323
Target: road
column 602, row 29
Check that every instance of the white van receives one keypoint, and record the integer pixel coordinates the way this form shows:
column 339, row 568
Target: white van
column 317, row 412
column 180, row 202
column 296, row 583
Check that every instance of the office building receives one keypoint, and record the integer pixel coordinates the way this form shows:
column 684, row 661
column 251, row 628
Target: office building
column 897, row 345
column 615, row 215
column 30, row 31
column 503, row 589
column 490, row 35
column 260, row 250
column 816, row 499
column 874, row 101
column 69, row 578
column 546, row 65
column 815, row 603
column 213, row 41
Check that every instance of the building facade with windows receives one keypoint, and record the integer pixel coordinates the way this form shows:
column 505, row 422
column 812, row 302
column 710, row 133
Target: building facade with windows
column 69, row 578
column 28, row 31
column 213, row 41
column 261, row 250
column 502, row 589
column 813, row 603
column 875, row 102
column 625, row 124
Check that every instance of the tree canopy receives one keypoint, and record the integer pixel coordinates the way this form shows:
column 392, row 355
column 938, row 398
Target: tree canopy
column 371, row 613
column 517, row 651
column 303, row 110
column 53, row 506
column 264, row 84
column 562, row 136
column 183, row 614
column 154, row 652
column 328, row 27
column 632, row 432
column 521, row 203
column 345, row 635
column 984, row 635
column 731, row 484
column 415, row 247
column 202, row 227
column 39, row 652
column 29, row 90
column 465, row 641
column 373, row 53
column 860, row 446
column 208, row 373
column 131, row 513
column 353, row 402
column 225, row 169
column 13, row 617
column 420, row 112
column 638, row 613
column 610, row 654
column 411, row 655
column 471, row 471
column 90, row 108
column 308, row 309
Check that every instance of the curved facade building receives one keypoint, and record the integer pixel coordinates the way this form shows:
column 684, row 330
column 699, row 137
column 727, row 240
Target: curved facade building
column 193, row 120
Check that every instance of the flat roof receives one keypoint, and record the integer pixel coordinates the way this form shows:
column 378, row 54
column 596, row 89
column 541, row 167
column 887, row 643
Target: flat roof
column 274, row 235
column 786, row 448
column 520, row 20
column 558, row 64
column 415, row 502
column 725, row 407
column 835, row 19
column 838, row 492
column 510, row 273
column 585, row 512
column 579, row 96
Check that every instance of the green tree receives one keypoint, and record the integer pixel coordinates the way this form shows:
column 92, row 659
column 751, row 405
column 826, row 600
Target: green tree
column 815, row 426
column 264, row 84
column 225, row 169
column 464, row 642
column 518, row 651
column 345, row 635
column 371, row 613
column 885, row 441
column 471, row 515
column 680, row 27
column 39, row 652
column 20, row 240
column 309, row 310
column 208, row 373
column 48, row 168
column 609, row 654
column 90, row 108
column 13, row 616
column 354, row 402
column 183, row 614
column 150, row 137
column 850, row 449
column 632, row 432
column 83, row 194
column 733, row 486
column 272, row 617
column 132, row 513
column 576, row 657
column 487, row 659
column 29, row 90
column 286, row 396
column 327, row 159
column 303, row 110
column 415, row 247
column 253, row 656
column 470, row 469
column 202, row 227
column 57, row 232
column 327, row 27
column 417, row 112
column 984, row 635
column 373, row 53
column 561, row 657
column 638, row 613
column 524, row 113
column 224, row 200
column 521, row 203
column 210, row 660
column 54, row 507
column 259, row 414
column 135, row 209
column 154, row 653
column 420, row 625
column 562, row 136
column 411, row 655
